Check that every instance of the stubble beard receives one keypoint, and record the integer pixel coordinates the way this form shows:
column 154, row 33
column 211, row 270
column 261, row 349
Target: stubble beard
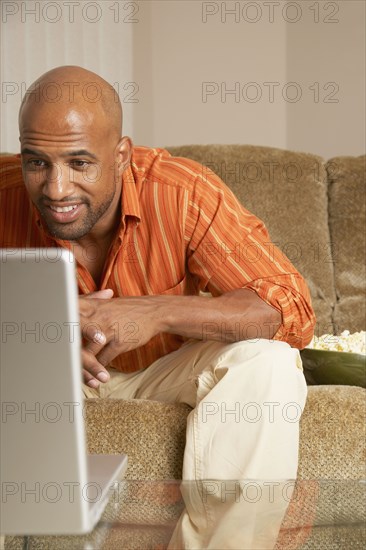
column 79, row 228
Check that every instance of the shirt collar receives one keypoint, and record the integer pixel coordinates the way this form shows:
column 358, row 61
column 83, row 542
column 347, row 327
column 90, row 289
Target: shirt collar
column 129, row 196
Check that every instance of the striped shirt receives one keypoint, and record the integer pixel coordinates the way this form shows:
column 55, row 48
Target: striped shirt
column 182, row 232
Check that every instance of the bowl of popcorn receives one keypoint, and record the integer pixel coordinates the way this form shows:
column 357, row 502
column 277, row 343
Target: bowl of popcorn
column 332, row 359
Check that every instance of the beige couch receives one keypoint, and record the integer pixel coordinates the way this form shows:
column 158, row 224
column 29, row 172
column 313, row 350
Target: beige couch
column 315, row 211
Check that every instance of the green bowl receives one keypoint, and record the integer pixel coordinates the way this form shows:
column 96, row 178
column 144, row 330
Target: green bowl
column 334, row 367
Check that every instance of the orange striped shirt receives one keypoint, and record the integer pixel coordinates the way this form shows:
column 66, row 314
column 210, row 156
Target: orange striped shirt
column 182, row 231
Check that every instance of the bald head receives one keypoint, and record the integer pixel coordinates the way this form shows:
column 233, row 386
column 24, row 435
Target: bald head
column 73, row 155
column 72, row 89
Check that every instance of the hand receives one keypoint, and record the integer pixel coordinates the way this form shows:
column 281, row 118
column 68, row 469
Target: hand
column 114, row 326
column 93, row 371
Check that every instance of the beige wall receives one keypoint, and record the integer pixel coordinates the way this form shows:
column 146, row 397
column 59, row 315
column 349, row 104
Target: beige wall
column 332, row 55
column 322, row 52
column 187, row 67
column 175, row 62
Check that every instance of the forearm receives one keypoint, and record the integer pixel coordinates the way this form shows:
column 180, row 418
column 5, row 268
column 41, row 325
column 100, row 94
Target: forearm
column 236, row 315
column 233, row 316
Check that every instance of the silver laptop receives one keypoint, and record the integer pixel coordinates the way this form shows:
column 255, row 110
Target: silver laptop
column 49, row 485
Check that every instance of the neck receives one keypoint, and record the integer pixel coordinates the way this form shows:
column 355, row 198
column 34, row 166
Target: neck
column 105, row 229
column 100, row 238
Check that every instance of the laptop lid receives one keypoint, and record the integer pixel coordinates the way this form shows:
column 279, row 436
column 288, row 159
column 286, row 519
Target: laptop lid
column 45, row 484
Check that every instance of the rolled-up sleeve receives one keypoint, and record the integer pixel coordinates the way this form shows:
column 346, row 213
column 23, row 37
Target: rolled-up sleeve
column 230, row 248
column 290, row 296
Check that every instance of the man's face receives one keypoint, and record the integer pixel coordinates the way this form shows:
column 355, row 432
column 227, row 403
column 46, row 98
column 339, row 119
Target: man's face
column 68, row 162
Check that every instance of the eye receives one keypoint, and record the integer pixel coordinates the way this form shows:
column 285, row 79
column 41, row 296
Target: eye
column 79, row 163
column 36, row 163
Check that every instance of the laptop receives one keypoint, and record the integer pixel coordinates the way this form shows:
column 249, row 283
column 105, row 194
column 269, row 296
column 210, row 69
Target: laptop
column 49, row 484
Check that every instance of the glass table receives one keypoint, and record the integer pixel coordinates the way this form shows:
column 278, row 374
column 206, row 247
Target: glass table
column 306, row 514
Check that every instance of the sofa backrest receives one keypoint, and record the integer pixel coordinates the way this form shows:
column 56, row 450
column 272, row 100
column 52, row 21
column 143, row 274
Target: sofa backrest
column 289, row 192
column 347, row 224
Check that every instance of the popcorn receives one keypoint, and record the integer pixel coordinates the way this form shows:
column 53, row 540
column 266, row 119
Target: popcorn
column 353, row 343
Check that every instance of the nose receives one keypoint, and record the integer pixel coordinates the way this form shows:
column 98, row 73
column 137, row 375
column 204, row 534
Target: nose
column 58, row 184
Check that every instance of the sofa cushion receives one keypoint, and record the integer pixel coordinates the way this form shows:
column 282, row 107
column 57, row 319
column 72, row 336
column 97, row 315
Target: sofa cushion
column 130, row 537
column 288, row 191
column 332, row 458
column 151, row 433
column 103, row 537
column 332, row 449
column 333, row 434
column 331, row 461
column 347, row 209
column 334, row 537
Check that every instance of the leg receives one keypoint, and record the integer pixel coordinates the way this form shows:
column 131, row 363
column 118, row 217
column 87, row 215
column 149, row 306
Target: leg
column 243, row 438
column 248, row 399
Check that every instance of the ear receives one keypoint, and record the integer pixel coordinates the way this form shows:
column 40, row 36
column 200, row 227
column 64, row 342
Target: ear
column 123, row 153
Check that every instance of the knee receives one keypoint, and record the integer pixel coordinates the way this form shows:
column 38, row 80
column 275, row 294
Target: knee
column 272, row 365
column 261, row 371
column 280, row 355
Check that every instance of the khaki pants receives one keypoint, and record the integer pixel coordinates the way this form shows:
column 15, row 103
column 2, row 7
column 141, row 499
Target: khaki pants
column 242, row 438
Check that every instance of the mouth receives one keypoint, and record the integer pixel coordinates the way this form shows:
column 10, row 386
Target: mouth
column 64, row 208
column 65, row 214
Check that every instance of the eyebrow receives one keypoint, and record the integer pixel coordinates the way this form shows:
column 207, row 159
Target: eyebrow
column 79, row 153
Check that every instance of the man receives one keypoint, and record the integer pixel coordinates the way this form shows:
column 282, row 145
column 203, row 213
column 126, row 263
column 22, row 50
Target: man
column 143, row 227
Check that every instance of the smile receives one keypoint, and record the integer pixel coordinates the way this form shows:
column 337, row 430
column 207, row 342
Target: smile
column 64, row 209
column 65, row 214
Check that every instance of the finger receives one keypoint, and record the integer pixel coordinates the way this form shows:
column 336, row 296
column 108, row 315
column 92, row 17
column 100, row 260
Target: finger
column 93, row 347
column 93, row 334
column 89, row 380
column 93, row 366
column 107, row 354
column 104, row 294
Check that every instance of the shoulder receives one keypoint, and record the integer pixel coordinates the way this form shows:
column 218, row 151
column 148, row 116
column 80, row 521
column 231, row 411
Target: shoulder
column 15, row 206
column 158, row 165
column 12, row 188
column 11, row 176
